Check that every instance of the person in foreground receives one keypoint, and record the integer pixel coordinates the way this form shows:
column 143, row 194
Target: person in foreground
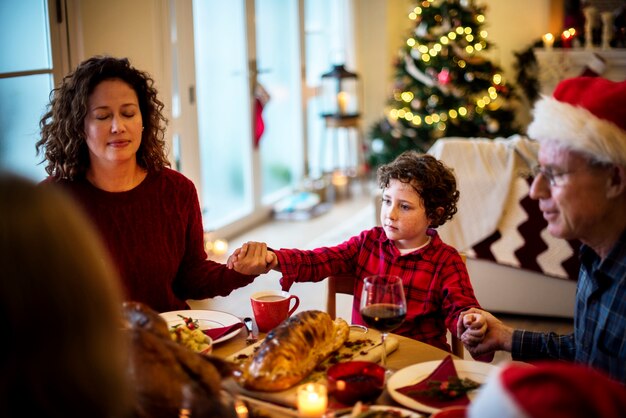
column 64, row 353
column 581, row 187
column 549, row 389
column 419, row 194
column 103, row 141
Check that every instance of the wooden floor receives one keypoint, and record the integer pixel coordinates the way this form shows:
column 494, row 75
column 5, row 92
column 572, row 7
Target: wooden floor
column 345, row 219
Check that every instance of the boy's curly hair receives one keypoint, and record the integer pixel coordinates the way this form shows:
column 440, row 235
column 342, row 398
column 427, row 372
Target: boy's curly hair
column 430, row 178
column 62, row 127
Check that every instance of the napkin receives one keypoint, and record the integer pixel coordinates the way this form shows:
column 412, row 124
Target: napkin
column 216, row 333
column 442, row 373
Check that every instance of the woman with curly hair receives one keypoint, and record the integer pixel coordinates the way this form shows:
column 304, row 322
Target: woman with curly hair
column 103, row 140
column 419, row 194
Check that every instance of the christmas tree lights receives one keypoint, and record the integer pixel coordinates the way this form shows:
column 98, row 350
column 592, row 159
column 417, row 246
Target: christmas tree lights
column 443, row 86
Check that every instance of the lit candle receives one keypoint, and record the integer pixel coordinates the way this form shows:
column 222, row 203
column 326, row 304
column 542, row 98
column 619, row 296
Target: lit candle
column 342, row 102
column 312, row 400
column 567, row 36
column 548, row 40
column 340, row 183
column 220, row 247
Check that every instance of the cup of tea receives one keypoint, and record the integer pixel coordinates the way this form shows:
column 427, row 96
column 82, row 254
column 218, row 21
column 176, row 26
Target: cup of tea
column 271, row 307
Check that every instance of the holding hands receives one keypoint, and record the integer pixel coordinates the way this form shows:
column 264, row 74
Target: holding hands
column 482, row 333
column 252, row 258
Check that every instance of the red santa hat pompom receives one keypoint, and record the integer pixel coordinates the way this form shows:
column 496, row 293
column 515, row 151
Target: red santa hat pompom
column 549, row 390
column 586, row 114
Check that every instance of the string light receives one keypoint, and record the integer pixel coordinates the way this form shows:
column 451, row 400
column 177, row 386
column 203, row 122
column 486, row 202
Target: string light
column 407, row 96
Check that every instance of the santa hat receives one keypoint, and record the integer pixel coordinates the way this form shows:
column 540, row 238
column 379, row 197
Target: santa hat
column 586, row 114
column 549, row 390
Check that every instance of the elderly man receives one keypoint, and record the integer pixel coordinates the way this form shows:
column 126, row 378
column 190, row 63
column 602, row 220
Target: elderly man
column 580, row 184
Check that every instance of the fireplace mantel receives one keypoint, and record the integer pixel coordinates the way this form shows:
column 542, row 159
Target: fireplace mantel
column 560, row 63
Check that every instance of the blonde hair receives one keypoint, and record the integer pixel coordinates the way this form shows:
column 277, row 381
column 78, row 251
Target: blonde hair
column 64, row 352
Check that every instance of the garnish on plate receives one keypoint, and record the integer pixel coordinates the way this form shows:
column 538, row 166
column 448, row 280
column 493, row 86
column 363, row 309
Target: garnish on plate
column 190, row 335
column 453, row 388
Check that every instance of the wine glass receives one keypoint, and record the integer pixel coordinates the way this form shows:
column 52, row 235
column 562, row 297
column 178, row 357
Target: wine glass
column 383, row 307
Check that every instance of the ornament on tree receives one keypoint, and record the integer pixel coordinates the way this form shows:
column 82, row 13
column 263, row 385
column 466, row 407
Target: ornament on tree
column 444, row 76
column 378, row 145
column 413, row 71
column 492, row 126
column 469, row 77
column 421, row 30
column 433, row 100
column 416, row 104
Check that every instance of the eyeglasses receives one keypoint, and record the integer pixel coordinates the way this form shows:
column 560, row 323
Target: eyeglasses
column 555, row 178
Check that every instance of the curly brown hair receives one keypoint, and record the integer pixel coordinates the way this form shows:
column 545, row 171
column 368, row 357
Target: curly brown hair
column 430, row 178
column 62, row 127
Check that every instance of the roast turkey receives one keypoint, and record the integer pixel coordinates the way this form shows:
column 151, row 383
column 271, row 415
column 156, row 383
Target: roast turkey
column 168, row 377
column 292, row 350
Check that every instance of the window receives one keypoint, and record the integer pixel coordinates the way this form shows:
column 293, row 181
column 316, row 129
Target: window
column 241, row 50
column 26, row 79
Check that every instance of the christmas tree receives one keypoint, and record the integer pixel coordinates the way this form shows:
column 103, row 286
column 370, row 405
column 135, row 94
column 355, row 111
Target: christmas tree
column 443, row 85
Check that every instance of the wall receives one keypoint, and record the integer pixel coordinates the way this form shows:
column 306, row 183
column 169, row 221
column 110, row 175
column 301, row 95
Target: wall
column 133, row 29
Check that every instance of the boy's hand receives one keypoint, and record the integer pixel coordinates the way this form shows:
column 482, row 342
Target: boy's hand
column 496, row 335
column 475, row 328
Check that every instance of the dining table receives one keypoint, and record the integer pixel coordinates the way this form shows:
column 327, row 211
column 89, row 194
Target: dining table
column 408, row 352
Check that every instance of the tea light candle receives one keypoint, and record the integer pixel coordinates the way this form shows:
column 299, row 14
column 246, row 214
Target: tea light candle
column 312, row 400
column 220, row 247
column 548, row 40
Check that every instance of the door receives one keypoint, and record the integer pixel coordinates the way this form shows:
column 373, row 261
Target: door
column 251, row 93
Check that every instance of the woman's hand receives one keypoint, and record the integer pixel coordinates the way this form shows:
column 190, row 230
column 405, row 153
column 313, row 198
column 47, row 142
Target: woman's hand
column 252, row 258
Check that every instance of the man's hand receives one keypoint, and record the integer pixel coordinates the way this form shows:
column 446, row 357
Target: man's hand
column 479, row 341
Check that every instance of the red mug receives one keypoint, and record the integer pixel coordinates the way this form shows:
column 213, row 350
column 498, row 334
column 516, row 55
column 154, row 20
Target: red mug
column 271, row 307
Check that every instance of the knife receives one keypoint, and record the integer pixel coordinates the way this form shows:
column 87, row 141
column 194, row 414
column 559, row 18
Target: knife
column 253, row 332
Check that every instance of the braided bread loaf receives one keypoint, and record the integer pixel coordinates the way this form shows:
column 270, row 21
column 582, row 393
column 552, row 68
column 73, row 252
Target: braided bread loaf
column 292, row 350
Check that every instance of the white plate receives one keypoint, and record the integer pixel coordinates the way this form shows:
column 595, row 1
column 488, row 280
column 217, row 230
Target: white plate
column 475, row 370
column 206, row 320
column 405, row 412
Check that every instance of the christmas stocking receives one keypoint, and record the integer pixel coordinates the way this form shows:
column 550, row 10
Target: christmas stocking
column 261, row 97
column 595, row 67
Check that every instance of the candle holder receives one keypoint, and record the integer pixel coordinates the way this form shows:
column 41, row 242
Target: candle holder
column 312, row 400
column 340, row 93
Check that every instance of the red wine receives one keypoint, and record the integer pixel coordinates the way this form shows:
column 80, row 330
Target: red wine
column 383, row 316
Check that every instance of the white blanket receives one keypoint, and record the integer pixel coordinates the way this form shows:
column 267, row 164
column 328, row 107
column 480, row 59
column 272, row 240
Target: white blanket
column 485, row 170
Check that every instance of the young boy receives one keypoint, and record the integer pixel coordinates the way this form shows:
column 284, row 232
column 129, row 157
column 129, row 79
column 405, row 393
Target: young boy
column 419, row 194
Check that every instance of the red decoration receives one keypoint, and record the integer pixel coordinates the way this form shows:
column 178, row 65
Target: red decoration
column 444, row 76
